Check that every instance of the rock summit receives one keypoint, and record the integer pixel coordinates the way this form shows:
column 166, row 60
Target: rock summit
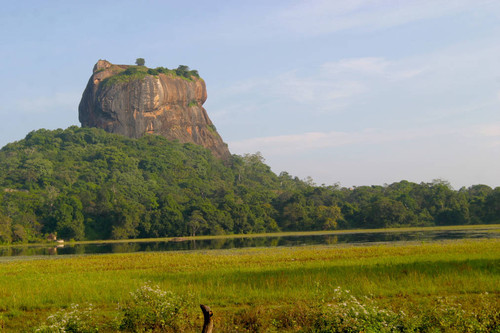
column 135, row 100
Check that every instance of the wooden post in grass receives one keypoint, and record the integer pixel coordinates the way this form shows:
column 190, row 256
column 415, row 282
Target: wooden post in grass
column 208, row 323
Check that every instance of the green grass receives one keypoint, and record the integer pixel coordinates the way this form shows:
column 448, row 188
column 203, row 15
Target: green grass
column 263, row 286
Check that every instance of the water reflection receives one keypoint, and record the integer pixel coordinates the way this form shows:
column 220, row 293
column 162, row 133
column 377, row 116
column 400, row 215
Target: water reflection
column 128, row 247
column 180, row 244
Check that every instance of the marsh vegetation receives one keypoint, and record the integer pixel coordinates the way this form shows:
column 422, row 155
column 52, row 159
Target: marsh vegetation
column 450, row 286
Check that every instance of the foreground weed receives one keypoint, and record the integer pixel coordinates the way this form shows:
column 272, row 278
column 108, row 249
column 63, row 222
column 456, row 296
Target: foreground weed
column 453, row 314
column 154, row 309
column 150, row 309
column 73, row 319
column 347, row 313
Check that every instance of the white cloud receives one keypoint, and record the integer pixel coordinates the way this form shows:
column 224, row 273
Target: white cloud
column 327, row 16
column 292, row 144
column 306, row 89
column 373, row 67
column 332, row 86
column 428, row 86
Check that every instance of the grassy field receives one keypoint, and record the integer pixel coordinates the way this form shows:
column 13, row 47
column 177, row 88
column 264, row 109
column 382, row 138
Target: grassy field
column 447, row 286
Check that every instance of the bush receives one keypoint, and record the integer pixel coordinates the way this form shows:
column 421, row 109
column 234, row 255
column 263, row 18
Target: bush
column 347, row 313
column 74, row 319
column 152, row 308
column 152, row 71
column 130, row 71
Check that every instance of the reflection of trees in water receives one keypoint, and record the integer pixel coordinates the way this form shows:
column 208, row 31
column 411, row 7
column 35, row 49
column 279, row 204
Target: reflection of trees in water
column 261, row 241
column 274, row 241
column 125, row 247
column 330, row 240
column 27, row 251
column 229, row 243
column 78, row 249
column 246, row 242
column 218, row 244
column 150, row 247
column 6, row 252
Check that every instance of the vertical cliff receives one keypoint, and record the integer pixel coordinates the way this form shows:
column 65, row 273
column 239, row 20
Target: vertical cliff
column 134, row 101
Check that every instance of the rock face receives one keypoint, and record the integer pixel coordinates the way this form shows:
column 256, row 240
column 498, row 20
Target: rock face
column 162, row 104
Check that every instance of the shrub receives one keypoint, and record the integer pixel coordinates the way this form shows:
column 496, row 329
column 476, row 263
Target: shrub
column 152, row 71
column 212, row 128
column 347, row 313
column 73, row 319
column 152, row 308
column 130, row 71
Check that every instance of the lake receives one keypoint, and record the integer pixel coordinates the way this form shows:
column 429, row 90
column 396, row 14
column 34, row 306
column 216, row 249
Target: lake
column 355, row 237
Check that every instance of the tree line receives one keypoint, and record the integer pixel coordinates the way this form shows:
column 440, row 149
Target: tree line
column 86, row 184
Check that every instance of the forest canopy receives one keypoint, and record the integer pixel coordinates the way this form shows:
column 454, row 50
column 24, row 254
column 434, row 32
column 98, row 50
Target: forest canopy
column 86, row 184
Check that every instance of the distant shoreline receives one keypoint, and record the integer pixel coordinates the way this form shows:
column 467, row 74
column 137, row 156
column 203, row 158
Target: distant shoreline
column 491, row 227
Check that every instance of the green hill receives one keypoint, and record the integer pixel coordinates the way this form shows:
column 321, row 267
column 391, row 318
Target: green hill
column 84, row 183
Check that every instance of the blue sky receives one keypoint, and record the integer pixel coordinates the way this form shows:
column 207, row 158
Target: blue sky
column 356, row 92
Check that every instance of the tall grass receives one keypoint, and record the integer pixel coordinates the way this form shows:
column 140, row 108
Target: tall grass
column 264, row 284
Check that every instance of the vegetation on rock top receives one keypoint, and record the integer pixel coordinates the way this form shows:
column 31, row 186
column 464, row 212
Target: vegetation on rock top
column 139, row 72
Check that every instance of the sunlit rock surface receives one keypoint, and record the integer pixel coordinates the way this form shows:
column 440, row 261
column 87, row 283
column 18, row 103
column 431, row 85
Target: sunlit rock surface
column 161, row 104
